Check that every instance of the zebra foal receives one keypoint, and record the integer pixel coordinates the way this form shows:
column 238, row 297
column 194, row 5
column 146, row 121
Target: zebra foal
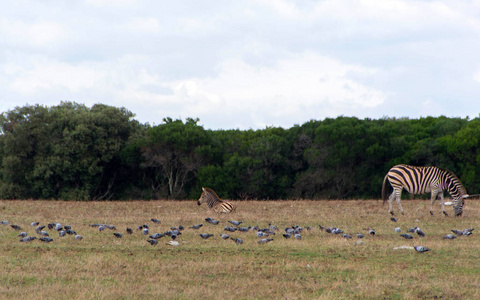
column 421, row 180
column 214, row 202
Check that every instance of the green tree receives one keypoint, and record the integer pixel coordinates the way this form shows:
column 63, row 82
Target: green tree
column 67, row 151
column 174, row 151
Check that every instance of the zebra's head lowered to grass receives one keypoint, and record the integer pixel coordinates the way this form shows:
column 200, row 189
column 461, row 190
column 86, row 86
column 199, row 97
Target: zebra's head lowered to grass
column 455, row 188
column 420, row 180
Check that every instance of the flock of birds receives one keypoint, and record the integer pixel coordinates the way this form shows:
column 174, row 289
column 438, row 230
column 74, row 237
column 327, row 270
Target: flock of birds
column 264, row 234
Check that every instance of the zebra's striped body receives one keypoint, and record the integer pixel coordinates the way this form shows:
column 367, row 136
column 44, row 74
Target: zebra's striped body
column 421, row 180
column 214, row 202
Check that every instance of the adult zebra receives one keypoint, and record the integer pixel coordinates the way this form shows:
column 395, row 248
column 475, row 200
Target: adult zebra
column 214, row 202
column 421, row 180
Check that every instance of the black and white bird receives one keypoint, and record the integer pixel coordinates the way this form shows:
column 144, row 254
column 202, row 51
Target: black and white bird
column 236, row 223
column 118, row 235
column 46, row 239
column 413, row 229
column 27, row 239
column 78, row 237
column 34, row 224
column 407, row 236
column 23, row 234
column 196, row 226
column 205, row 235
column 463, row 232
column 224, row 236
column 393, row 219
column 212, row 221
column 264, row 241
column 449, row 237
column 156, row 221
column 336, row 230
column 398, row 230
column 420, row 232
column 237, row 240
column 145, row 231
column 287, row 235
column 371, row 231
column 297, row 236
column 16, row 227
column 43, row 233
column 156, row 236
column 230, row 228
column 152, row 242
column 261, row 234
column 173, row 243
column 421, row 249
column 244, row 229
column 360, row 236
column 129, row 230
column 62, row 233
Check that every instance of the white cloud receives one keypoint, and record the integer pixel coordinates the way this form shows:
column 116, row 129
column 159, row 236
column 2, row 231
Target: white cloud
column 35, row 34
column 245, row 64
column 147, row 24
column 303, row 86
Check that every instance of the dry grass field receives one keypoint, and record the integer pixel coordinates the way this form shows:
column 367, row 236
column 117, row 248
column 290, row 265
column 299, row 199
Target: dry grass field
column 320, row 266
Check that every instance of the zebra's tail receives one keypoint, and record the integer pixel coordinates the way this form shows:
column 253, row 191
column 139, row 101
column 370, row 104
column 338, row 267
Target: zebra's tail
column 384, row 189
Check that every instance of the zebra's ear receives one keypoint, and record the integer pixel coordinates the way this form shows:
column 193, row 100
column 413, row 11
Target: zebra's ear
column 203, row 189
column 465, row 196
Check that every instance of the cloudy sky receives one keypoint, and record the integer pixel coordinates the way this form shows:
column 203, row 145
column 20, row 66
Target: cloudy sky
column 244, row 64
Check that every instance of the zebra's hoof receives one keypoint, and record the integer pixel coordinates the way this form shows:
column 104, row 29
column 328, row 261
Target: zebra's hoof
column 392, row 213
column 445, row 213
column 431, row 212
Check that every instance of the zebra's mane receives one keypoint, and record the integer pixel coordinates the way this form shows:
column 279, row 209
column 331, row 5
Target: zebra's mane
column 209, row 190
column 457, row 181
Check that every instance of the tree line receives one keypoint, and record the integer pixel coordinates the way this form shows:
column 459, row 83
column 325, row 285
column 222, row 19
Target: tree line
column 74, row 152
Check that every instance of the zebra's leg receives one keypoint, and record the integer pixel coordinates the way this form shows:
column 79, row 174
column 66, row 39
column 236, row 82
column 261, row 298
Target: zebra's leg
column 396, row 195
column 390, row 203
column 432, row 200
column 399, row 200
column 442, row 201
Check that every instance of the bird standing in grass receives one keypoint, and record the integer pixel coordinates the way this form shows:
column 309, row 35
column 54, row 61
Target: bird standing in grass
column 153, row 242
column 173, row 243
column 264, row 241
column 237, row 241
column 205, row 235
column 212, row 221
column 28, row 239
column 449, row 237
column 236, row 223
column 421, row 249
column 420, row 232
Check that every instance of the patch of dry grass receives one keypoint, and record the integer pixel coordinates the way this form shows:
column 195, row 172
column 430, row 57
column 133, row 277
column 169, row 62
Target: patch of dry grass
column 321, row 265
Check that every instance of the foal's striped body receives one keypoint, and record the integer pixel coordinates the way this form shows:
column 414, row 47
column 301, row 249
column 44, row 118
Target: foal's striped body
column 214, row 202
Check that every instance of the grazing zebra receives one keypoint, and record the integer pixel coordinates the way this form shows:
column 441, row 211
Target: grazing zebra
column 421, row 180
column 214, row 202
